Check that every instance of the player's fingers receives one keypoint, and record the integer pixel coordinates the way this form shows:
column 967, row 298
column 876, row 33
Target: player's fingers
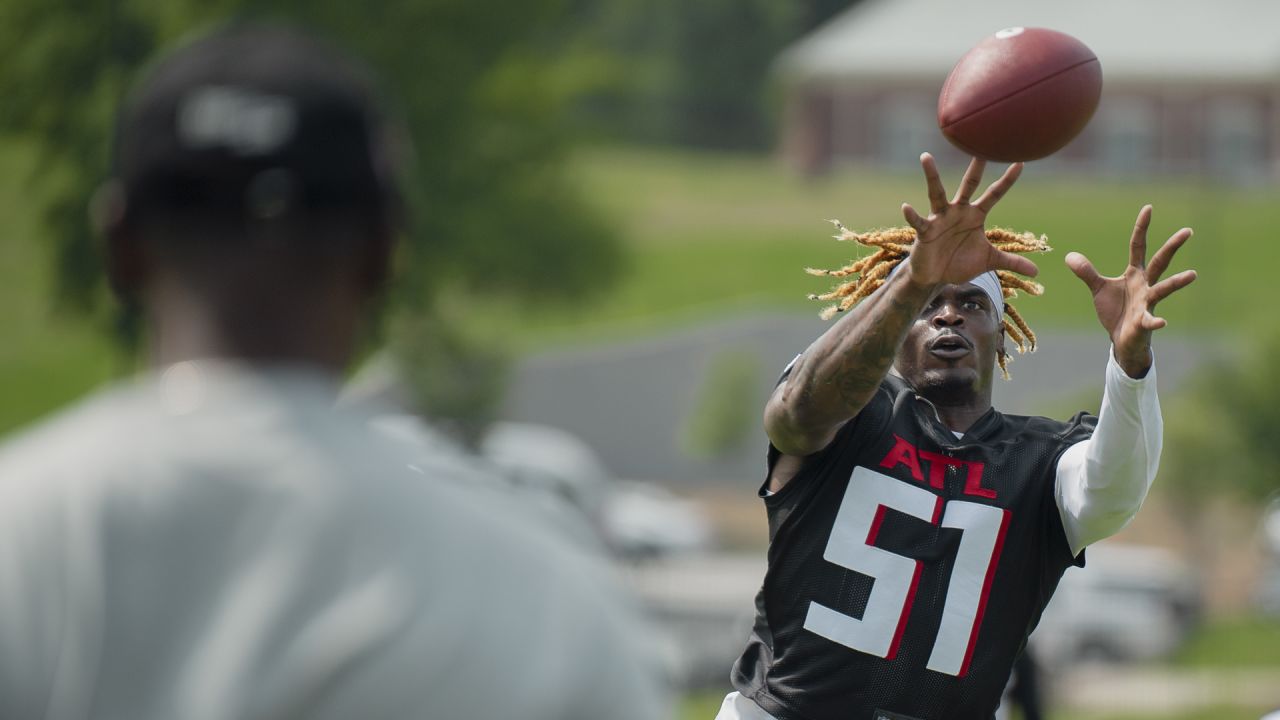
column 1084, row 270
column 972, row 179
column 1170, row 285
column 1151, row 322
column 1138, row 241
column 998, row 188
column 1002, row 260
column 937, row 193
column 1160, row 261
column 913, row 218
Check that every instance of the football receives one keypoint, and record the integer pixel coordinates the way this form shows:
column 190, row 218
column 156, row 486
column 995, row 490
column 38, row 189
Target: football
column 1020, row 94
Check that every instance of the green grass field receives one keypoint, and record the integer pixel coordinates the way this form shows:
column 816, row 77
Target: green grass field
column 1234, row 642
column 714, row 233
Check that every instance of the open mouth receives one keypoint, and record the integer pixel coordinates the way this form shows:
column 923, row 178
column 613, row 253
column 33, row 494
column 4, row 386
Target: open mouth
column 950, row 346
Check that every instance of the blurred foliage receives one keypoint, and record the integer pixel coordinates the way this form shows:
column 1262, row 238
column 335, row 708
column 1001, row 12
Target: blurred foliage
column 1246, row 641
column 1221, row 434
column 45, row 361
column 450, row 370
column 494, row 213
column 483, row 92
column 66, row 66
column 723, row 416
column 690, row 73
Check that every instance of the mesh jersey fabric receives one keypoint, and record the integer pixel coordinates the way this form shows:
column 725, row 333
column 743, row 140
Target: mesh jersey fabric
column 219, row 543
column 972, row 591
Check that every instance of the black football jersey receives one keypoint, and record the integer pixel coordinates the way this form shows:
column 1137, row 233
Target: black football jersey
column 907, row 567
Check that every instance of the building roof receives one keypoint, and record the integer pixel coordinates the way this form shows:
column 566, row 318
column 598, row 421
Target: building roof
column 1141, row 40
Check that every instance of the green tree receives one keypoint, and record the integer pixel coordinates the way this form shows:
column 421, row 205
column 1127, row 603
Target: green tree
column 494, row 213
column 727, row 406
column 691, row 73
column 1222, row 436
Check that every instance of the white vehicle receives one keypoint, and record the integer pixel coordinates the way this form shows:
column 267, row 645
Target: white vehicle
column 636, row 520
column 1128, row 603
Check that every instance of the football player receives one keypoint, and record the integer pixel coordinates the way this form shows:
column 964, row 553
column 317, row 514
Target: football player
column 916, row 532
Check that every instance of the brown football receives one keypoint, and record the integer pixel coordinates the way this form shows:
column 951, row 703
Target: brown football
column 1020, row 94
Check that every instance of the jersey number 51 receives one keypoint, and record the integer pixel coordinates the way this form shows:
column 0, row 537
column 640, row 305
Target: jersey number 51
column 851, row 545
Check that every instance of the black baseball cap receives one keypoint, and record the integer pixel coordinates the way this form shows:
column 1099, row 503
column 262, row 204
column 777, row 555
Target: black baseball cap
column 255, row 119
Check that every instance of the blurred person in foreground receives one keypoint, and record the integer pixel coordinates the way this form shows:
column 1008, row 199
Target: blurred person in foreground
column 916, row 533
column 213, row 539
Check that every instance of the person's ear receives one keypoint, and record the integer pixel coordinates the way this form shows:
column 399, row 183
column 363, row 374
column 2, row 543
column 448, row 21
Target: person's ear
column 122, row 250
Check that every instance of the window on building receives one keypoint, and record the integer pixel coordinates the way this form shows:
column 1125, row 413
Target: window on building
column 1129, row 128
column 908, row 127
column 1236, row 132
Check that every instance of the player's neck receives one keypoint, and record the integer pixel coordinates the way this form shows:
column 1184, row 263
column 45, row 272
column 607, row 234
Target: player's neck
column 959, row 412
column 961, row 419
column 307, row 331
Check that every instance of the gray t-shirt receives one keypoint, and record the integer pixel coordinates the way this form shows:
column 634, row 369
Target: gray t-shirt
column 217, row 542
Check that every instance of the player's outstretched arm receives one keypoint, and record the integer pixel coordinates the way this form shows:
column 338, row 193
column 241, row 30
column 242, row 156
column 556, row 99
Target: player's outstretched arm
column 1126, row 304
column 838, row 374
column 1101, row 482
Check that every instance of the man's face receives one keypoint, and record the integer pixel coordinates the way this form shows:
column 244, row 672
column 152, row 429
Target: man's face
column 950, row 350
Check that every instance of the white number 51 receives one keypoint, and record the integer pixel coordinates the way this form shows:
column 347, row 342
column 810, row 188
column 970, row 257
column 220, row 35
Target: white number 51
column 851, row 545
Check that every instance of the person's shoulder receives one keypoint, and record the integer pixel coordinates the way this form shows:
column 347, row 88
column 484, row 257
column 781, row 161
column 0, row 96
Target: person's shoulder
column 501, row 531
column 218, row 422
column 68, row 461
column 86, row 434
column 490, row 547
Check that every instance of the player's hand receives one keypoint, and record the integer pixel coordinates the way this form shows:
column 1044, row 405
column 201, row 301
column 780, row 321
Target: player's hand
column 951, row 244
column 1126, row 304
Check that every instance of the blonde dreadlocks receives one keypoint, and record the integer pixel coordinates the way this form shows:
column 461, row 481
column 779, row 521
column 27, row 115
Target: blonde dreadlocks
column 891, row 247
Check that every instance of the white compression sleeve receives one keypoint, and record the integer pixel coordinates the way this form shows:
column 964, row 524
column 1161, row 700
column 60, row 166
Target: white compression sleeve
column 1101, row 482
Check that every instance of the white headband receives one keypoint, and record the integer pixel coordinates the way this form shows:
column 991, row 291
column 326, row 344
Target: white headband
column 988, row 282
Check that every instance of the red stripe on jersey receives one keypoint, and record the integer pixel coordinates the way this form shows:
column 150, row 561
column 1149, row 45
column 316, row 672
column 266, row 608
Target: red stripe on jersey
column 874, row 532
column 906, row 613
column 915, row 583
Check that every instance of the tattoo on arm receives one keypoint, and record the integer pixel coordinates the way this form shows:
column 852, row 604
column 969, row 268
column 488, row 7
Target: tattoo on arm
column 840, row 372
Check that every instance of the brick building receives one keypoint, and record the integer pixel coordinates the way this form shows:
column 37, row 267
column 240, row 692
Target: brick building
column 1190, row 88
